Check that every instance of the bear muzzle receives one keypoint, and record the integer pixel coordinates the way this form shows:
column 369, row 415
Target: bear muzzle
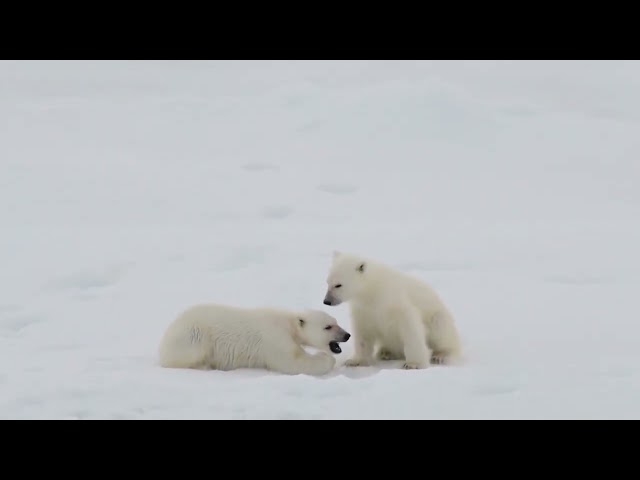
column 343, row 336
column 331, row 300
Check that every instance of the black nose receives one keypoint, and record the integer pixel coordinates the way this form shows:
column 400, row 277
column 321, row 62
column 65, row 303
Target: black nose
column 327, row 302
column 347, row 336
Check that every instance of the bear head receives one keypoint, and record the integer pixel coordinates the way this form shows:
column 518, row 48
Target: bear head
column 320, row 330
column 346, row 278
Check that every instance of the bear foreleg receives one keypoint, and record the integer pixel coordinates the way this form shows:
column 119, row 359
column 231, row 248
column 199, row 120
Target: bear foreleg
column 387, row 355
column 412, row 332
column 363, row 353
column 298, row 361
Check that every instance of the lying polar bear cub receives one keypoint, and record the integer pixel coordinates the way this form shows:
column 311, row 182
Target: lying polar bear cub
column 219, row 337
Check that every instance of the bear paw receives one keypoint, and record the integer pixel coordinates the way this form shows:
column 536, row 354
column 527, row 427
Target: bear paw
column 329, row 361
column 438, row 359
column 355, row 362
column 413, row 366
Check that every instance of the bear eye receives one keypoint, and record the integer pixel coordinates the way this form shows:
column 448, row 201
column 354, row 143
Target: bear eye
column 328, row 327
column 338, row 285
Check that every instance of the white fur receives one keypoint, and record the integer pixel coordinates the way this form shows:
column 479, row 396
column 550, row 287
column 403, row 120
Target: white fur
column 399, row 314
column 213, row 336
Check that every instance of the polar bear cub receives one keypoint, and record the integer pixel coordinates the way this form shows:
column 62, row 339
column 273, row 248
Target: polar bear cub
column 393, row 311
column 221, row 337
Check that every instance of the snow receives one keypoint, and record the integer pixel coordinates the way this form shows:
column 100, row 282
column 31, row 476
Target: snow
column 130, row 190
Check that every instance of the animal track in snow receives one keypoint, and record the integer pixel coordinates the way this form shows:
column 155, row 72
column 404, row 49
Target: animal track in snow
column 338, row 189
column 578, row 280
column 13, row 323
column 9, row 309
column 277, row 212
column 260, row 167
column 504, row 388
column 88, row 280
column 433, row 266
column 240, row 258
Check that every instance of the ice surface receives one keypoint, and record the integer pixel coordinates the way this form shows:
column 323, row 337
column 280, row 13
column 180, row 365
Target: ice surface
column 130, row 190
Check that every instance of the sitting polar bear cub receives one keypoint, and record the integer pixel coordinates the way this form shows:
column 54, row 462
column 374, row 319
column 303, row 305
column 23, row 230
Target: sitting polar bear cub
column 398, row 313
column 219, row 337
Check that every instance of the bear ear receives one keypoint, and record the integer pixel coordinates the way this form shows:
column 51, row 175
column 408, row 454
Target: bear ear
column 336, row 253
column 301, row 322
column 361, row 268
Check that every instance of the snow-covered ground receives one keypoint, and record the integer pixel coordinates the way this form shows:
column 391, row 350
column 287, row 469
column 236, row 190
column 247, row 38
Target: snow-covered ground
column 130, row 190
